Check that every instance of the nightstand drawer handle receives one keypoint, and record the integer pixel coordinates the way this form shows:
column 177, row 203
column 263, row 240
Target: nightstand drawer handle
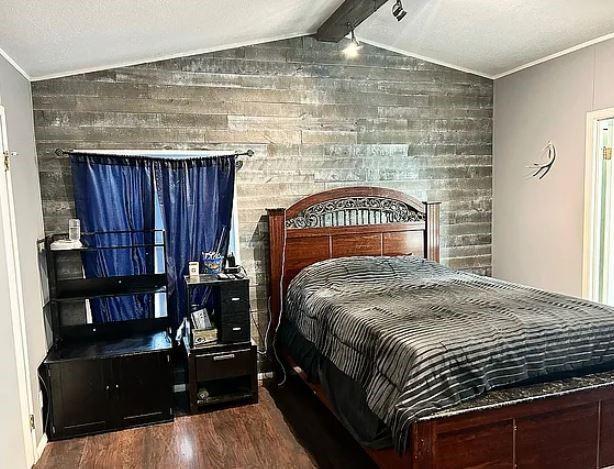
column 228, row 356
column 236, row 298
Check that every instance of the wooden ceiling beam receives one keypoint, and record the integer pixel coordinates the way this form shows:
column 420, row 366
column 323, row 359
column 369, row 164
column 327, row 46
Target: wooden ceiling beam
column 345, row 18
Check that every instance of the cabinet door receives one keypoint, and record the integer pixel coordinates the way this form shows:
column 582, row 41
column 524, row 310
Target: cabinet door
column 79, row 396
column 143, row 386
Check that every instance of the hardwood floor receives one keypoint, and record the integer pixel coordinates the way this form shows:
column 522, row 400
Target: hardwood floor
column 288, row 428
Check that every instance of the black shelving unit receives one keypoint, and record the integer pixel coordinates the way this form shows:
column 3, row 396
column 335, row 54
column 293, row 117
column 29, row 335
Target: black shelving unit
column 73, row 287
column 101, row 377
column 87, row 288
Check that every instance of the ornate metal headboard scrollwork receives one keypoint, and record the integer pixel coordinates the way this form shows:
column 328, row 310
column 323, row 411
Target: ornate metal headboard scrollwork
column 353, row 211
column 349, row 221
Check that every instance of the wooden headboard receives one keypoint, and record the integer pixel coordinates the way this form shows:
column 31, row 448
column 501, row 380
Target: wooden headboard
column 350, row 221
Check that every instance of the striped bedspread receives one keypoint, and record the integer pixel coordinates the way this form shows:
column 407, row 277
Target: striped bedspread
column 419, row 337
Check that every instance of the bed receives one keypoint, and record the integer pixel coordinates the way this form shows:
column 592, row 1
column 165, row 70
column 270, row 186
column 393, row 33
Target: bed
column 425, row 366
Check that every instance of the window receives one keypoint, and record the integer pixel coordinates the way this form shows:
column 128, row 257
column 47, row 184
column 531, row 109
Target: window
column 159, row 267
column 233, row 246
column 160, row 300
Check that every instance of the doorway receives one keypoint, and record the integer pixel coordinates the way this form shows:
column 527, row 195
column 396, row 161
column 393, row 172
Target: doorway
column 16, row 431
column 598, row 272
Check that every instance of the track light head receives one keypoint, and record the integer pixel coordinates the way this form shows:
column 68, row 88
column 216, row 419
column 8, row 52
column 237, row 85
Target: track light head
column 353, row 47
column 397, row 10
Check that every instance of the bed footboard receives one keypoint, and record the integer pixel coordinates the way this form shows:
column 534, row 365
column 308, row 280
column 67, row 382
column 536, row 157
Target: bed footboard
column 573, row 430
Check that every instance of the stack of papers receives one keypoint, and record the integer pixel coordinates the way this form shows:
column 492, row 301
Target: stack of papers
column 65, row 245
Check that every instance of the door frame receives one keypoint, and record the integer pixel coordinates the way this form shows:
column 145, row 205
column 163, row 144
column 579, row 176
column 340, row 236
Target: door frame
column 9, row 230
column 591, row 196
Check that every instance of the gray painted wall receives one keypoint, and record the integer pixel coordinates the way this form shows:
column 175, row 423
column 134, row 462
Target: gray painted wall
column 538, row 225
column 15, row 97
column 314, row 119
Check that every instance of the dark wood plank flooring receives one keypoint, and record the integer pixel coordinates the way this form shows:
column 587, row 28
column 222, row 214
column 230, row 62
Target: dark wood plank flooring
column 288, row 428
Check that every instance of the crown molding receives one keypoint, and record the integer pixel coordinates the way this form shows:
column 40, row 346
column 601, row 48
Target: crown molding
column 295, row 35
column 547, row 58
column 15, row 65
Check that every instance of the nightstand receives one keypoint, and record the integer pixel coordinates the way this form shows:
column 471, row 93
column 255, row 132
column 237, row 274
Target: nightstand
column 222, row 369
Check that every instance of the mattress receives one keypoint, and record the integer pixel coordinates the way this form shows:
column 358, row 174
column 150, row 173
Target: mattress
column 415, row 337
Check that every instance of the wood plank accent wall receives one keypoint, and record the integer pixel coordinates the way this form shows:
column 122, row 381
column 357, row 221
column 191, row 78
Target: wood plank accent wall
column 315, row 119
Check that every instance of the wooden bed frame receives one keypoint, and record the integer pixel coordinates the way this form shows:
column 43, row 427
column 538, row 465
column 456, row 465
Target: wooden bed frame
column 560, row 430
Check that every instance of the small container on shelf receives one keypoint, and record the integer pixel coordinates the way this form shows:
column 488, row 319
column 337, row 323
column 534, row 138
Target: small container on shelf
column 204, row 336
column 74, row 229
column 194, row 269
column 212, row 263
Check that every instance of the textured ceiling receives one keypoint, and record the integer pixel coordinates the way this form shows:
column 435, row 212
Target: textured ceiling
column 488, row 37
column 47, row 38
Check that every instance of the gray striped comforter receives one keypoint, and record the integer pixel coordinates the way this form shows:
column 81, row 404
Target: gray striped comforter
column 419, row 337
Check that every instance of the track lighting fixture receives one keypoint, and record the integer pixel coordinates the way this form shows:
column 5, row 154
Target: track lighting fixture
column 397, row 10
column 353, row 47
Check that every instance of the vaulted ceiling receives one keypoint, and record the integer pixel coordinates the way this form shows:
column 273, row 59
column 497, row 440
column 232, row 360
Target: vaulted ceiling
column 488, row 37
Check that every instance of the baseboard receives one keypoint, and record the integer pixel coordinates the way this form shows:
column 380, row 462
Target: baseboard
column 40, row 447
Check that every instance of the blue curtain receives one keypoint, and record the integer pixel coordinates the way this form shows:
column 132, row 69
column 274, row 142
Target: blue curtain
column 115, row 194
column 196, row 197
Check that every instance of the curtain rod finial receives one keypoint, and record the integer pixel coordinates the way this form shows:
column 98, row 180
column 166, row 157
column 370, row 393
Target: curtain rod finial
column 249, row 153
column 59, row 152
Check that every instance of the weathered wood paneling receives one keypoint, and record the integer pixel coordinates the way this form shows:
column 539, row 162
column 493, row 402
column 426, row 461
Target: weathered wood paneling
column 315, row 120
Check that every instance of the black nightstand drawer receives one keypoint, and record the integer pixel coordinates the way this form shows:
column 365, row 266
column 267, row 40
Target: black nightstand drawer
column 224, row 364
column 234, row 303
column 235, row 295
column 235, row 331
column 233, row 315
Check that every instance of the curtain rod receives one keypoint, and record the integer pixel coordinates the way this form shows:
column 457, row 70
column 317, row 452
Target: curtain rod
column 60, row 152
